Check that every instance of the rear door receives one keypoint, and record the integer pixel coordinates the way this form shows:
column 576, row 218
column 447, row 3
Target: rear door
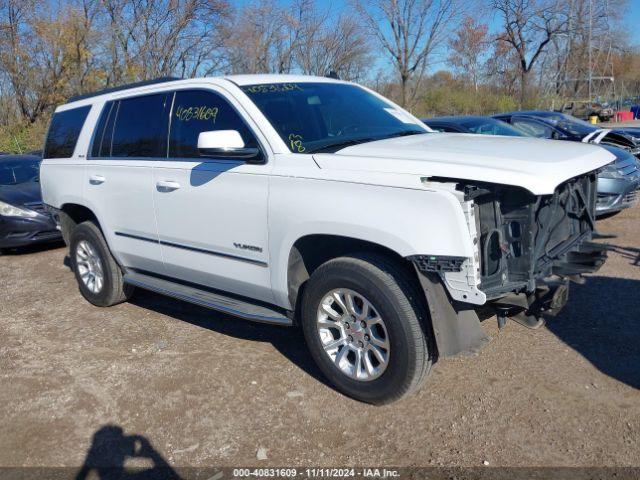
column 212, row 212
column 130, row 137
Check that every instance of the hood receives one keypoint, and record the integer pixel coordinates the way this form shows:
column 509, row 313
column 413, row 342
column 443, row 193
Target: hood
column 537, row 165
column 21, row 193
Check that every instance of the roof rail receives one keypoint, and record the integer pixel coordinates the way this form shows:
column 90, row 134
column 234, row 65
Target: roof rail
column 122, row 87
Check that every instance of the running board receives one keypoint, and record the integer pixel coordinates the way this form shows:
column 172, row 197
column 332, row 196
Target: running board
column 208, row 299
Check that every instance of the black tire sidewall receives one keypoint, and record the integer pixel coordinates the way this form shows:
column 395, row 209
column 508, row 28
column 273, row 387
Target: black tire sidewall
column 398, row 373
column 86, row 233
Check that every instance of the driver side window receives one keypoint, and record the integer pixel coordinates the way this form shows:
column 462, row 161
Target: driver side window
column 196, row 111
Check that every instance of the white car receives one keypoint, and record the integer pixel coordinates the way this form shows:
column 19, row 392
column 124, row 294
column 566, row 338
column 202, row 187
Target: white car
column 312, row 201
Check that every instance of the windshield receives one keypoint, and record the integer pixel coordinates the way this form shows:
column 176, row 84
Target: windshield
column 19, row 171
column 314, row 117
column 489, row 126
column 573, row 125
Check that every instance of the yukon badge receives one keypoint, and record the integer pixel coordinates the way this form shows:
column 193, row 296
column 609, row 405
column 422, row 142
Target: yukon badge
column 244, row 246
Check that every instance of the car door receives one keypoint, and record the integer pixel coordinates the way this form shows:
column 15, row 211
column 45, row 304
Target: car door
column 212, row 212
column 130, row 137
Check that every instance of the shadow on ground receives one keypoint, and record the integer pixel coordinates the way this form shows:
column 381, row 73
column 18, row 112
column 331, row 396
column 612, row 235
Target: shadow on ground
column 602, row 322
column 287, row 340
column 628, row 253
column 29, row 249
column 114, row 456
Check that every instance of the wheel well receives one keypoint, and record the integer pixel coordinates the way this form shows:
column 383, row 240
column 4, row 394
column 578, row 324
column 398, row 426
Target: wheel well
column 72, row 214
column 311, row 251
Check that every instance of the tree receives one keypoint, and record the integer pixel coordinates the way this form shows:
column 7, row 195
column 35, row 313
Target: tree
column 467, row 48
column 331, row 43
column 410, row 32
column 527, row 28
column 261, row 38
column 148, row 39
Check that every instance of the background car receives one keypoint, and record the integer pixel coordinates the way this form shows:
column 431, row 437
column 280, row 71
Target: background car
column 560, row 126
column 585, row 109
column 618, row 182
column 23, row 218
column 477, row 124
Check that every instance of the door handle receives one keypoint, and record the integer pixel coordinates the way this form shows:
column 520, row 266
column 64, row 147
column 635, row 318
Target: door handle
column 167, row 186
column 96, row 179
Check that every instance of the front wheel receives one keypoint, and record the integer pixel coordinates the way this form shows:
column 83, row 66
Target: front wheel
column 365, row 325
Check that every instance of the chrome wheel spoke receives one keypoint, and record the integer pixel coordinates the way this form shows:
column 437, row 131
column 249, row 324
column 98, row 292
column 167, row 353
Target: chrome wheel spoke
column 379, row 342
column 378, row 354
column 89, row 267
column 331, row 345
column 341, row 356
column 353, row 335
column 337, row 297
column 331, row 312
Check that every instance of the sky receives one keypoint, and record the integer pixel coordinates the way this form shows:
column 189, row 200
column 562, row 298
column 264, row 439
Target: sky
column 633, row 20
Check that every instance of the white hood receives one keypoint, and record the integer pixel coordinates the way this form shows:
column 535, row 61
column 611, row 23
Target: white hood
column 537, row 165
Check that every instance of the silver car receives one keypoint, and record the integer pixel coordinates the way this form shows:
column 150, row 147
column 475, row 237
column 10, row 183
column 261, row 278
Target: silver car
column 618, row 182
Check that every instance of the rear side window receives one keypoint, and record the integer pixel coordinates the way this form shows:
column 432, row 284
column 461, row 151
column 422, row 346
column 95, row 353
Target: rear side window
column 196, row 111
column 64, row 131
column 140, row 128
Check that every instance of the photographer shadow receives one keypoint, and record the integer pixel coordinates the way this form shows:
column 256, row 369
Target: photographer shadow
column 110, row 452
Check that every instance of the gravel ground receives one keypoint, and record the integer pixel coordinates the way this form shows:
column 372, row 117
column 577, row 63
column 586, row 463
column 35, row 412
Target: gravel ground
column 205, row 389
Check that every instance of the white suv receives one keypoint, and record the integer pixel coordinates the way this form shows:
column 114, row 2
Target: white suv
column 312, row 201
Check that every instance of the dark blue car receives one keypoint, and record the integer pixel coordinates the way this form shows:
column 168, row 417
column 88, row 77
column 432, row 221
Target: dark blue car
column 23, row 218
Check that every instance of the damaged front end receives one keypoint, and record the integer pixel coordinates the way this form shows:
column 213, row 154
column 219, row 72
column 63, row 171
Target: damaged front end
column 528, row 248
column 532, row 246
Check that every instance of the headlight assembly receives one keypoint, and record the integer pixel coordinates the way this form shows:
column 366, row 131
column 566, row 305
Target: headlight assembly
column 7, row 210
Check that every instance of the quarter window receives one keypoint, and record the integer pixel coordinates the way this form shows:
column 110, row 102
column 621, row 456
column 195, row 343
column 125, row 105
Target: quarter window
column 196, row 111
column 64, row 131
column 102, row 136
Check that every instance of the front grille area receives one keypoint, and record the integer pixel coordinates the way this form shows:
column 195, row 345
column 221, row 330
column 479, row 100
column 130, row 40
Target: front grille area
column 525, row 238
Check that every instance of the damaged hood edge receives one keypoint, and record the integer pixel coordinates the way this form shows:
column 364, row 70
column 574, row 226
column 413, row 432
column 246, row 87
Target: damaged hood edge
column 536, row 165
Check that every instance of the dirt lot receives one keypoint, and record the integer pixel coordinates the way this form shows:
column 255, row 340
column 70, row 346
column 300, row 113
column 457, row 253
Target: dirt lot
column 206, row 389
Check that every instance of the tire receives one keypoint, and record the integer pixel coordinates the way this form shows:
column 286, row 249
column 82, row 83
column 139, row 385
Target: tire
column 87, row 237
column 394, row 298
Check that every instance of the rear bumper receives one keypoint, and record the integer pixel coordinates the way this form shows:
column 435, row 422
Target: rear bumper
column 18, row 232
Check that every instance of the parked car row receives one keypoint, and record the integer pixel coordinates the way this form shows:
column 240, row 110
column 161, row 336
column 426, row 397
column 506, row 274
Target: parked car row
column 23, row 218
column 618, row 182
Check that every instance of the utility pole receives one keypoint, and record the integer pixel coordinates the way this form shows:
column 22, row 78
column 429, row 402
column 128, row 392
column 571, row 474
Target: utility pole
column 590, row 64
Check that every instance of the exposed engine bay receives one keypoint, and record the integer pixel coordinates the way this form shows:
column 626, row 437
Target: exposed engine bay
column 524, row 237
column 528, row 249
column 532, row 246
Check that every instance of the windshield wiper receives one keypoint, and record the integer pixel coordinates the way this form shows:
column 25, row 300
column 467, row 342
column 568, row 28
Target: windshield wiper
column 333, row 147
column 404, row 133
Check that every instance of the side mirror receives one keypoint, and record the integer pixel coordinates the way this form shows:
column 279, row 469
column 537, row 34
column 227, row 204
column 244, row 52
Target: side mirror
column 225, row 144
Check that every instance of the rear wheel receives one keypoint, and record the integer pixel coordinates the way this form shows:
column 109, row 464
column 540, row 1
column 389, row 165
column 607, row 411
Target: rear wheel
column 365, row 324
column 99, row 276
